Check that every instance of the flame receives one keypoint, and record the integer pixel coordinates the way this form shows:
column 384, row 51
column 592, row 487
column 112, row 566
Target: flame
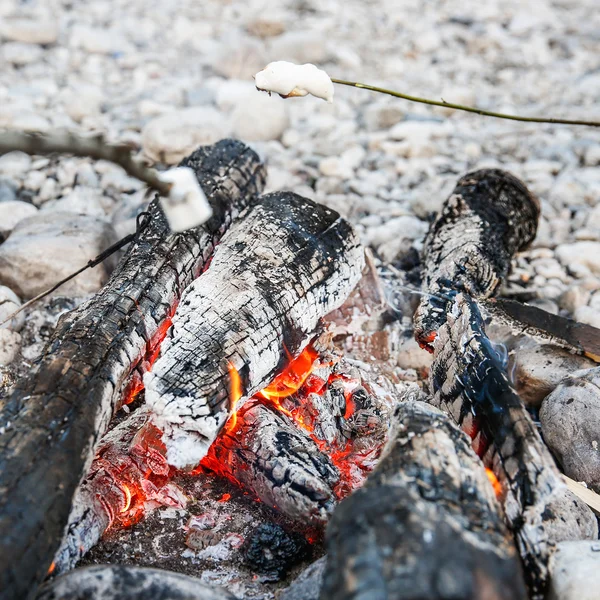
column 51, row 568
column 235, row 393
column 494, row 481
column 127, row 493
column 292, row 378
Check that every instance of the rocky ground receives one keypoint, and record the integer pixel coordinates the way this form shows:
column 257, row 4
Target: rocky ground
column 168, row 76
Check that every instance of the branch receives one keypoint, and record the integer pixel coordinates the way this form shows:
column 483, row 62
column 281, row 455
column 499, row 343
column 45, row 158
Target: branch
column 64, row 142
column 471, row 109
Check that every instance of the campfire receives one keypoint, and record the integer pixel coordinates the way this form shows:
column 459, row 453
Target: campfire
column 230, row 407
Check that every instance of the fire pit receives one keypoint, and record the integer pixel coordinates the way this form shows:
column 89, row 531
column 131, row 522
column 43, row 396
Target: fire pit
column 234, row 391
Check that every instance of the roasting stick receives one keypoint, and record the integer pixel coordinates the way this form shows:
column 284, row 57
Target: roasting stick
column 290, row 80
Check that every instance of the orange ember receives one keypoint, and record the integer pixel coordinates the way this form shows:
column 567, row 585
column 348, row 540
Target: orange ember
column 494, row 481
column 292, row 378
column 225, row 498
column 51, row 569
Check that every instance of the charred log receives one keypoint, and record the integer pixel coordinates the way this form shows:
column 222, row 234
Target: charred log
column 522, row 321
column 489, row 216
column 283, row 266
column 469, row 382
column 425, row 526
column 118, row 582
column 55, row 417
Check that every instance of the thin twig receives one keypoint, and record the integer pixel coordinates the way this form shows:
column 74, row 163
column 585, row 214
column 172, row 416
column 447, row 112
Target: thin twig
column 64, row 142
column 471, row 109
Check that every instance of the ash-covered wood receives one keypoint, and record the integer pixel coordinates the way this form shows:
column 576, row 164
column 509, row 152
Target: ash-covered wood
column 426, row 525
column 278, row 462
column 53, row 419
column 469, row 382
column 119, row 582
column 489, row 216
column 570, row 418
column 285, row 264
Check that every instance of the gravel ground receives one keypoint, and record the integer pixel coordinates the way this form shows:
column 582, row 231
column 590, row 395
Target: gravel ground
column 168, row 76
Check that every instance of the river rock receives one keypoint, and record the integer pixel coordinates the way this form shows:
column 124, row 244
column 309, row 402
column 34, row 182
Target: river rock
column 582, row 253
column 47, row 247
column 538, row 370
column 258, row 118
column 14, row 212
column 170, row 137
column 570, row 418
column 10, row 342
column 29, row 31
column 9, row 302
column 575, row 571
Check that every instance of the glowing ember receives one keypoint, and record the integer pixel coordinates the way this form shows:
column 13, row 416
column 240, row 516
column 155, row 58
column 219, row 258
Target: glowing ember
column 292, row 378
column 494, row 481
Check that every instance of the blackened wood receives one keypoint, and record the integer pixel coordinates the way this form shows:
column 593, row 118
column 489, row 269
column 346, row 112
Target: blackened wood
column 278, row 462
column 538, row 323
column 53, row 419
column 425, row 526
column 468, row 381
column 489, row 216
column 281, row 268
column 119, row 582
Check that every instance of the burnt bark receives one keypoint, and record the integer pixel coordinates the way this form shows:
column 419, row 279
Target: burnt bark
column 281, row 268
column 54, row 418
column 469, row 382
column 425, row 526
column 489, row 217
column 119, row 582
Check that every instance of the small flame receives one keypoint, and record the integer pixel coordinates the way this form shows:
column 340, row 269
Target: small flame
column 224, row 498
column 235, row 393
column 494, row 481
column 292, row 378
column 127, row 493
column 51, row 568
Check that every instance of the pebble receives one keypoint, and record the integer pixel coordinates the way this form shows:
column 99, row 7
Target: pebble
column 168, row 138
column 570, row 418
column 14, row 163
column 20, row 54
column 29, row 31
column 300, row 46
column 249, row 122
column 589, row 315
column 575, row 571
column 582, row 253
column 10, row 343
column 13, row 212
column 81, row 200
column 9, row 302
column 47, row 247
column 537, row 371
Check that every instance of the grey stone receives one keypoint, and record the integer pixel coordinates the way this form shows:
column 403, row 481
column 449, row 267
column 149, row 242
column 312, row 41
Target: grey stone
column 570, row 418
column 29, row 31
column 575, row 571
column 537, row 371
column 14, row 163
column 170, row 137
column 10, row 343
column 259, row 118
column 13, row 212
column 8, row 190
column 45, row 248
column 19, row 54
column 9, row 302
column 300, row 46
column 582, row 253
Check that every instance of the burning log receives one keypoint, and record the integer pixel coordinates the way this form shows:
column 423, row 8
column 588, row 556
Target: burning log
column 281, row 268
column 119, row 582
column 570, row 418
column 54, row 418
column 279, row 463
column 489, row 216
column 426, row 525
column 469, row 382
